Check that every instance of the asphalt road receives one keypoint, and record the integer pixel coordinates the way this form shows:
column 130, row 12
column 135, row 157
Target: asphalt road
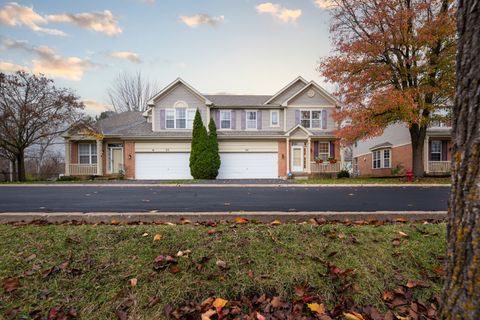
column 221, row 199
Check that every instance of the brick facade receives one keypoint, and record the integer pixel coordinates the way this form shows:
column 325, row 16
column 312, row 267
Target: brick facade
column 401, row 158
column 129, row 159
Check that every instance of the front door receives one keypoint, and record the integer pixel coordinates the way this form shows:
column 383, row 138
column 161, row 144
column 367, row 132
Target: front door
column 297, row 159
column 116, row 159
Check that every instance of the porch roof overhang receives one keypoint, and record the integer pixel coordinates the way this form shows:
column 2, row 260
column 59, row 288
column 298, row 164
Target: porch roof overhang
column 385, row 145
column 298, row 127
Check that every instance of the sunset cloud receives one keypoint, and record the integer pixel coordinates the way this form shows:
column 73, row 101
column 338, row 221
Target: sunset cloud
column 324, row 4
column 11, row 67
column 103, row 22
column 13, row 14
column 126, row 55
column 48, row 62
column 282, row 14
column 201, row 19
column 92, row 106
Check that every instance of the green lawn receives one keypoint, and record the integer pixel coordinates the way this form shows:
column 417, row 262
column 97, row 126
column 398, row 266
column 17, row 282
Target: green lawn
column 429, row 180
column 92, row 265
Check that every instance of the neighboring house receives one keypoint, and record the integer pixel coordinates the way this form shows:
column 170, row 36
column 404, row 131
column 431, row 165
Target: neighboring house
column 390, row 154
column 260, row 136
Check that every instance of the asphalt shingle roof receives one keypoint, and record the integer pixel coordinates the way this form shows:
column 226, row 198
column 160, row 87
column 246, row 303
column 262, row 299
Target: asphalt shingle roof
column 237, row 100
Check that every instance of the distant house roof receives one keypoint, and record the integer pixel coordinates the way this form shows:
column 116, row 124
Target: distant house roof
column 119, row 122
column 237, row 100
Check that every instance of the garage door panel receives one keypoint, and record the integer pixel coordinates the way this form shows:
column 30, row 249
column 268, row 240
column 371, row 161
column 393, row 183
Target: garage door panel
column 162, row 166
column 248, row 166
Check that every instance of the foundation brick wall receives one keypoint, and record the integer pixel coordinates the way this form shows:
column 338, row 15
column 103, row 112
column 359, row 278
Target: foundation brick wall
column 129, row 159
column 282, row 158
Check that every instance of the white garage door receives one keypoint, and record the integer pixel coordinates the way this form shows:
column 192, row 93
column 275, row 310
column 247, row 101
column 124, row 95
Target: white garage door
column 162, row 166
column 237, row 165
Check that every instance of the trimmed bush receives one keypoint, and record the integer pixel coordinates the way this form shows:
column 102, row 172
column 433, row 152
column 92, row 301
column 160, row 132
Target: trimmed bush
column 199, row 164
column 213, row 153
column 343, row 174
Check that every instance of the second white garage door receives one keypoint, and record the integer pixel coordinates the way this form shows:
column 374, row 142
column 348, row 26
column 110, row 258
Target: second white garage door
column 162, row 166
column 238, row 165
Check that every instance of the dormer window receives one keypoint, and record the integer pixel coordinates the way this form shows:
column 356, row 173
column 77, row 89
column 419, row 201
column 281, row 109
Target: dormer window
column 180, row 117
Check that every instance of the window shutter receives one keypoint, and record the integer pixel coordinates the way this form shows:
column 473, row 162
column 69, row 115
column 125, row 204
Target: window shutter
column 444, row 150
column 324, row 119
column 233, row 119
column 259, row 119
column 297, row 116
column 315, row 149
column 217, row 118
column 429, row 150
column 332, row 149
column 243, row 120
column 162, row 119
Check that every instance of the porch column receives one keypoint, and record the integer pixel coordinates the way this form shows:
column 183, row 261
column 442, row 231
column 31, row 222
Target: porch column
column 68, row 150
column 99, row 158
column 288, row 155
column 309, row 155
column 425, row 156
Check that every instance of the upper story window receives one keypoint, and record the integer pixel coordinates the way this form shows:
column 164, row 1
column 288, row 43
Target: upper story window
column 274, row 118
column 179, row 117
column 381, row 159
column 225, row 119
column 251, row 119
column 87, row 153
column 440, row 124
column 311, row 118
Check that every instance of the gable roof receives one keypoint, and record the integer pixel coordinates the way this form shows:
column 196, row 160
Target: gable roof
column 171, row 85
column 299, row 78
column 324, row 92
column 237, row 100
column 300, row 127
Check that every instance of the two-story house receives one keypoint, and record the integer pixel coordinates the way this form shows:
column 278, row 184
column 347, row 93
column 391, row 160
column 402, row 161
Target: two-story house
column 260, row 136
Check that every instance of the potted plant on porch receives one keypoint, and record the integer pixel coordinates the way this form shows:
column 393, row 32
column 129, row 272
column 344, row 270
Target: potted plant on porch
column 332, row 160
column 318, row 160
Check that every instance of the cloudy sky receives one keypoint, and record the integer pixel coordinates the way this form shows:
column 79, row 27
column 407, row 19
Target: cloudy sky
column 218, row 46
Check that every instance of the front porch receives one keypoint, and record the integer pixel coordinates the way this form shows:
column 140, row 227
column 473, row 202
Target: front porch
column 438, row 155
column 308, row 155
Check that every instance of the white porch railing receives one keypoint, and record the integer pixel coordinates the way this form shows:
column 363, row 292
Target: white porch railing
column 325, row 167
column 83, row 169
column 438, row 166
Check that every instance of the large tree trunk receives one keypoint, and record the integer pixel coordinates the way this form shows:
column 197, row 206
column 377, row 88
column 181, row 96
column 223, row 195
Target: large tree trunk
column 417, row 136
column 461, row 294
column 21, row 166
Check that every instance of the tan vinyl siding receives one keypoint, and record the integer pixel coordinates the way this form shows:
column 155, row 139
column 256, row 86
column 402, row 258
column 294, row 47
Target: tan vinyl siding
column 179, row 93
column 248, row 146
column 317, row 100
column 294, row 88
column 162, row 146
column 265, row 119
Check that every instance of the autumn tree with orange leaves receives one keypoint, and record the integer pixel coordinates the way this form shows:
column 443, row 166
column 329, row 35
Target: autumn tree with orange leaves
column 393, row 62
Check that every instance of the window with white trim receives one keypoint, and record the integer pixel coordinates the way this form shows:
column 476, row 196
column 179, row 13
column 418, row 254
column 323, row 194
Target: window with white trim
column 274, row 118
column 323, row 151
column 225, row 119
column 311, row 118
column 251, row 119
column 179, row 118
column 87, row 153
column 381, row 159
column 435, row 150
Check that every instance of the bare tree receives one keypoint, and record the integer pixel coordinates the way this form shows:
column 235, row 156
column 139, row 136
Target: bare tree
column 32, row 109
column 131, row 92
column 461, row 294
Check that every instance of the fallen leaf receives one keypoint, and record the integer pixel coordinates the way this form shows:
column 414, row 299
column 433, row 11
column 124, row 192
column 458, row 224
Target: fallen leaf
column 240, row 220
column 208, row 314
column 10, row 284
column 388, row 296
column 152, row 301
column 221, row 264
column 353, row 316
column 31, row 257
column 145, row 234
column 402, row 220
column 260, row 317
column 115, row 222
column 133, row 282
column 157, row 237
column 396, row 242
column 175, row 270
column 403, row 234
column 276, row 302
column 275, row 222
column 411, row 284
column 219, row 303
column 317, row 308
column 211, row 231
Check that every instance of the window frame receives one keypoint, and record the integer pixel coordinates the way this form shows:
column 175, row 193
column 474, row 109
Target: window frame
column 310, row 119
column 187, row 119
column 380, row 160
column 439, row 152
column 92, row 152
column 247, row 120
column 271, row 118
column 229, row 119
column 326, row 154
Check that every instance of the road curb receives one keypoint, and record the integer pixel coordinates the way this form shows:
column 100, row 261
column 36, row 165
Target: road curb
column 214, row 185
column 175, row 217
